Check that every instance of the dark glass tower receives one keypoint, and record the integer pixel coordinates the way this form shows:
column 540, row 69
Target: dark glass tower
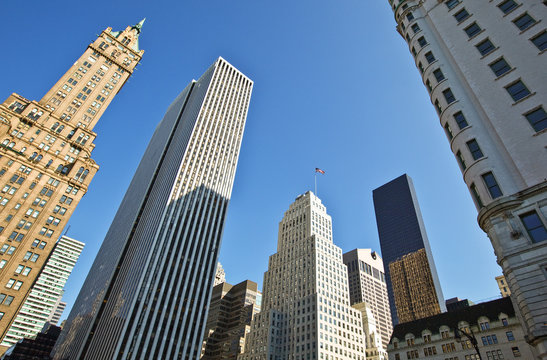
column 147, row 292
column 413, row 289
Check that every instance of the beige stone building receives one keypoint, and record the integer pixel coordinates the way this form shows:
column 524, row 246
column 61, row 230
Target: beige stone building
column 375, row 349
column 231, row 309
column 483, row 63
column 502, row 284
column 494, row 325
column 367, row 284
column 45, row 159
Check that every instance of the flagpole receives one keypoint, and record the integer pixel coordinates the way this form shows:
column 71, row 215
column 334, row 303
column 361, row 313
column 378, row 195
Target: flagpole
column 315, row 176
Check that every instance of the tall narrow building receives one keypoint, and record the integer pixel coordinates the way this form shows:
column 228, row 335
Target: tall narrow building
column 413, row 286
column 45, row 158
column 367, row 284
column 45, row 294
column 147, row 292
column 306, row 312
column 483, row 64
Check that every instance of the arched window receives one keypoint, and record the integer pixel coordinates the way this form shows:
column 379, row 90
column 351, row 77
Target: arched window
column 60, row 129
column 23, row 149
column 11, row 145
column 5, row 142
column 55, row 126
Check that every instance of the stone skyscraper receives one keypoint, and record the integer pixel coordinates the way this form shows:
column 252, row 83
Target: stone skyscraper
column 367, row 284
column 483, row 64
column 306, row 313
column 414, row 290
column 45, row 158
column 147, row 292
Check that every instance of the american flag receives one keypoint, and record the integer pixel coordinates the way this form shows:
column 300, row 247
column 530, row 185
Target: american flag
column 317, row 170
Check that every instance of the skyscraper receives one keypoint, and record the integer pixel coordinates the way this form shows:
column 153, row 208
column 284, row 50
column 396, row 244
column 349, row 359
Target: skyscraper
column 231, row 311
column 482, row 63
column 147, row 292
column 367, row 284
column 45, row 294
column 45, row 158
column 306, row 313
column 405, row 250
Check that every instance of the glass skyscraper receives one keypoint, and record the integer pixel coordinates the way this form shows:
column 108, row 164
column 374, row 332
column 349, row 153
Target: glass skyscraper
column 147, row 292
column 405, row 250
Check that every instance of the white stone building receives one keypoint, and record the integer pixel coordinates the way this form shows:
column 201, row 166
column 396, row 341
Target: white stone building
column 306, row 313
column 367, row 283
column 483, row 63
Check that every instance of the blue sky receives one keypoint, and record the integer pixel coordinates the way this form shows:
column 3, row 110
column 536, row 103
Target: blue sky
column 335, row 88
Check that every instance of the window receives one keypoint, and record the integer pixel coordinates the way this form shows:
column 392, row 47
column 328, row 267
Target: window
column 534, row 226
column 474, row 149
column 476, row 196
column 449, row 96
column 448, row 131
column 510, row 336
column 524, row 21
column 409, row 16
column 500, row 67
column 438, row 75
column 492, row 185
column 450, row 4
column 537, row 118
column 507, row 6
column 438, row 106
column 460, row 120
column 429, row 57
column 485, row 47
column 504, row 322
column 461, row 160
column 422, row 41
column 517, row 90
column 515, row 349
column 472, row 30
column 540, row 41
column 461, row 15
column 416, row 28
column 10, row 283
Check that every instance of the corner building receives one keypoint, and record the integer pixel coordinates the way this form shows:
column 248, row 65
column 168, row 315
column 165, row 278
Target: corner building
column 147, row 292
column 306, row 313
column 483, row 65
column 45, row 159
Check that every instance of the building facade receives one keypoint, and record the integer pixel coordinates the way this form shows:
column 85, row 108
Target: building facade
column 502, row 284
column 45, row 159
column 306, row 312
column 220, row 275
column 414, row 290
column 367, row 284
column 148, row 289
column 481, row 63
column 231, row 310
column 375, row 349
column 493, row 324
column 57, row 313
column 45, row 295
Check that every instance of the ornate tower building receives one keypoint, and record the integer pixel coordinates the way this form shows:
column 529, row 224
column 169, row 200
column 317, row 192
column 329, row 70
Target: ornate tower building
column 45, row 159
column 483, row 63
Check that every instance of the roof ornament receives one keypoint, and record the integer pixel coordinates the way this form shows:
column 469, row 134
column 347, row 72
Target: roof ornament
column 138, row 26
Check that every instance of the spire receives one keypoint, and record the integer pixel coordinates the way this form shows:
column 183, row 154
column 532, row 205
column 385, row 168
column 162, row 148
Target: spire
column 138, row 26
